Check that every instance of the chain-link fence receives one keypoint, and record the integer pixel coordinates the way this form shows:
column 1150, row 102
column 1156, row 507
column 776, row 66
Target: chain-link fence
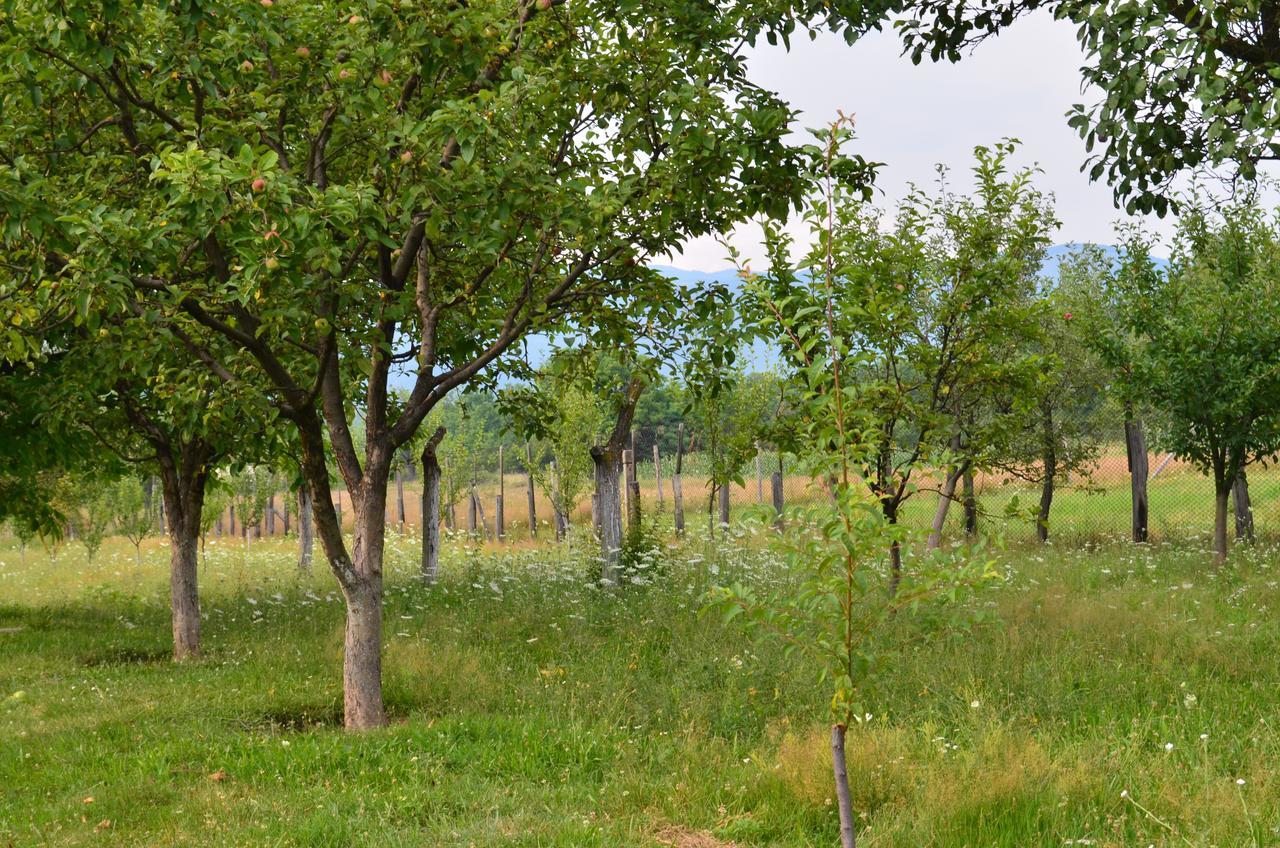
column 1092, row 503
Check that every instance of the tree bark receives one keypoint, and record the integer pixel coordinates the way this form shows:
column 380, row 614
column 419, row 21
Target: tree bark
column 1136, row 448
column 889, row 506
column 945, row 497
column 431, row 508
column 1046, row 501
column 608, row 471
column 184, row 470
column 844, row 803
column 1243, row 508
column 607, row 459
column 1220, row 525
column 306, row 532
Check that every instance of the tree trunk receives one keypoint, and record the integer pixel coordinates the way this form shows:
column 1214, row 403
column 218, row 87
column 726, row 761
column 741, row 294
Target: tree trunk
column 1243, row 508
column 306, row 535
column 889, row 506
column 608, row 470
column 1136, row 448
column 945, row 497
column 843, row 802
column 1220, row 525
column 183, row 473
column 362, row 649
column 1046, row 501
column 184, row 593
column 269, row 517
column 431, row 509
column 284, row 515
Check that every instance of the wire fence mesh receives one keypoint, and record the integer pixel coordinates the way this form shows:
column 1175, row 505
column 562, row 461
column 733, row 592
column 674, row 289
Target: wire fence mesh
column 1092, row 505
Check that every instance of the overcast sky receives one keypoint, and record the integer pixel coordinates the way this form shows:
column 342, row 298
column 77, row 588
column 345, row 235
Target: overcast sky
column 910, row 117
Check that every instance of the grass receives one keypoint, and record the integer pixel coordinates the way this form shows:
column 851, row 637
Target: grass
column 533, row 710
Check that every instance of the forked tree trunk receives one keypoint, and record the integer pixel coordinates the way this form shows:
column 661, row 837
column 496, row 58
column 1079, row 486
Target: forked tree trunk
column 1243, row 508
column 306, row 533
column 1220, row 524
column 431, row 509
column 607, row 459
column 844, row 802
column 1135, row 443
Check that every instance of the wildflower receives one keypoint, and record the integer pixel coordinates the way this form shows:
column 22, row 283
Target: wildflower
column 1168, row 746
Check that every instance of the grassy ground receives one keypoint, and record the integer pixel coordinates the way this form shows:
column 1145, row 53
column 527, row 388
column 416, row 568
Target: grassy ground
column 1118, row 701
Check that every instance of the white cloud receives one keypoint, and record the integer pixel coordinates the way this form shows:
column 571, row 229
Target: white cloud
column 1019, row 85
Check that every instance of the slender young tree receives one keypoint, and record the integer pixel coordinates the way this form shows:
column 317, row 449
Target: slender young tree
column 937, row 310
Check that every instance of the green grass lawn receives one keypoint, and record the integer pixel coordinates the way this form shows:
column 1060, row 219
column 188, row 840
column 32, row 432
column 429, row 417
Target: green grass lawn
column 530, row 709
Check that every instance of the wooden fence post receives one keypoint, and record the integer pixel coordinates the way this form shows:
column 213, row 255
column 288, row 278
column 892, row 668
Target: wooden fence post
column 677, row 496
column 778, row 504
column 724, row 507
column 759, row 474
column 499, row 519
column 400, row 497
column 533, row 510
column 657, row 472
column 632, row 488
column 472, row 505
column 559, row 519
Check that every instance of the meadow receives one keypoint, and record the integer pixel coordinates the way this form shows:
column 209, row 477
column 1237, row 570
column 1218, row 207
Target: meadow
column 1119, row 696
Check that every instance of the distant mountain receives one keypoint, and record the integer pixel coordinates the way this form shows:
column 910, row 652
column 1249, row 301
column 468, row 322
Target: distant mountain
column 761, row 357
